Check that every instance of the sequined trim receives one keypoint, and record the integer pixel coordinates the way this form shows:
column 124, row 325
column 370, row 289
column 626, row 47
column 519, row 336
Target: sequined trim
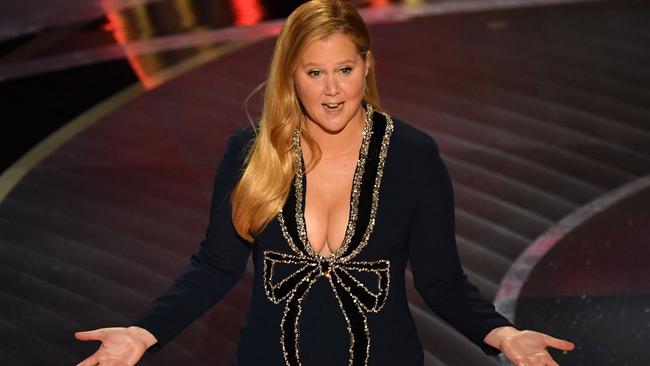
column 354, row 298
column 356, row 183
column 379, row 142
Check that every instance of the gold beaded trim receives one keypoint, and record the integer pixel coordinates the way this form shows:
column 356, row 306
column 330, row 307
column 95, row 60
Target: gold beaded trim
column 383, row 152
column 353, row 297
column 356, row 183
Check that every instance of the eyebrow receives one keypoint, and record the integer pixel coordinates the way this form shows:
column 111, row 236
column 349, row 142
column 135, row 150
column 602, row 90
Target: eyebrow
column 339, row 63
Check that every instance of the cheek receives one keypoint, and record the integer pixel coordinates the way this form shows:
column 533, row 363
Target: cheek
column 355, row 85
column 307, row 90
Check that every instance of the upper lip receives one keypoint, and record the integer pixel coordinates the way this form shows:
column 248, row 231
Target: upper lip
column 333, row 103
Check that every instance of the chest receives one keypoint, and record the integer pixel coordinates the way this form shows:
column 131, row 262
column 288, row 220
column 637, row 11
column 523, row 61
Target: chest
column 359, row 209
column 372, row 252
column 328, row 193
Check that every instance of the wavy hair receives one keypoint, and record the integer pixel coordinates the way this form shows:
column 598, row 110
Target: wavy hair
column 270, row 168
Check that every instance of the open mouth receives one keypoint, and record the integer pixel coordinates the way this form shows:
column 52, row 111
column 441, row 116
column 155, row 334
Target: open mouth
column 333, row 106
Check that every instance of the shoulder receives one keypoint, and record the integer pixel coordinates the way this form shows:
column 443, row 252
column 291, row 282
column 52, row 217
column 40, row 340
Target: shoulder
column 242, row 135
column 418, row 157
column 412, row 142
column 238, row 145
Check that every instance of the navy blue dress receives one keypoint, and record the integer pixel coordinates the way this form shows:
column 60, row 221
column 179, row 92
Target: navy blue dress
column 350, row 308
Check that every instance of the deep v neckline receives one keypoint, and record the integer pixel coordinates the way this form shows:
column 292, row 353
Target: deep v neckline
column 342, row 269
column 357, row 178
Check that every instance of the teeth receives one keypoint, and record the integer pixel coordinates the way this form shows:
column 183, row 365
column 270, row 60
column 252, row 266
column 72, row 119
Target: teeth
column 332, row 106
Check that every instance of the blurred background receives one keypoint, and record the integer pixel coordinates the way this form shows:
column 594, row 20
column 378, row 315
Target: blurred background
column 115, row 115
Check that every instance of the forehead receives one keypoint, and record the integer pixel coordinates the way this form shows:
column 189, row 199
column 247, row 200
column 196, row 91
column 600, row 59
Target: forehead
column 330, row 48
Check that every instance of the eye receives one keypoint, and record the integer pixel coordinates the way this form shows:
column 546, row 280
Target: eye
column 314, row 73
column 346, row 70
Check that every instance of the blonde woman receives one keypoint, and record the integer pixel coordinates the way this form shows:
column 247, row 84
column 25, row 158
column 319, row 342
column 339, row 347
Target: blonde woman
column 332, row 197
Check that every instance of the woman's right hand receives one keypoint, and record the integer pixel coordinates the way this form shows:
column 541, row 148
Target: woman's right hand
column 120, row 346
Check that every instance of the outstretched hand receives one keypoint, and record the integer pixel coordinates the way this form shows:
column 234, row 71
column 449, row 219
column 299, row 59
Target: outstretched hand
column 528, row 348
column 120, row 346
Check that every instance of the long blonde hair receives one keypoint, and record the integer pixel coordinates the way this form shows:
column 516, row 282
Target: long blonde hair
column 270, row 164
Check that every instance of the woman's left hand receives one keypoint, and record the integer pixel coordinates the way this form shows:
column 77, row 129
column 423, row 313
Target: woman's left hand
column 527, row 347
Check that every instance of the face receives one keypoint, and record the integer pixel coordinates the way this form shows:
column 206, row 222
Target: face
column 330, row 81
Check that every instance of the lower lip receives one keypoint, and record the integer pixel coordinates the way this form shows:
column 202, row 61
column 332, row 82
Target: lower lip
column 335, row 110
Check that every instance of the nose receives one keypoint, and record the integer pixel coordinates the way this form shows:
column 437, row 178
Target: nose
column 331, row 85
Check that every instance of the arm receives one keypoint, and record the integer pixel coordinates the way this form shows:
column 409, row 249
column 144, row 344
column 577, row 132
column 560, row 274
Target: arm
column 217, row 265
column 439, row 277
column 437, row 272
column 214, row 269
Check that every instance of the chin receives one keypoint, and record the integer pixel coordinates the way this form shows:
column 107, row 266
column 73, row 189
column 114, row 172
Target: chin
column 334, row 123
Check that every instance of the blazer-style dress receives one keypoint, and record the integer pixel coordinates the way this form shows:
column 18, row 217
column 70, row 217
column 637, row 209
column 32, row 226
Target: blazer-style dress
column 350, row 308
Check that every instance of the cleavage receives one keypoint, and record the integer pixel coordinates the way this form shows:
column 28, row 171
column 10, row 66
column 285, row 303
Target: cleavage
column 327, row 204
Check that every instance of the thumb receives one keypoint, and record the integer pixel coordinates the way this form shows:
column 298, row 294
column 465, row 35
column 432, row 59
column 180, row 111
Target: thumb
column 96, row 334
column 559, row 343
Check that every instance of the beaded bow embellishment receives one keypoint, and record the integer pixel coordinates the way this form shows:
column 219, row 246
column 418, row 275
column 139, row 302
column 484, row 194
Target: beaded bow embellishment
column 339, row 269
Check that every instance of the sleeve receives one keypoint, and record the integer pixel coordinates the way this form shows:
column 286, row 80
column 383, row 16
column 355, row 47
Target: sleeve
column 213, row 269
column 437, row 273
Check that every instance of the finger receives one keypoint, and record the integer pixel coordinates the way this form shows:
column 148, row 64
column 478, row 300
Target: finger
column 545, row 359
column 559, row 343
column 113, row 363
column 518, row 361
column 90, row 361
column 550, row 362
column 90, row 335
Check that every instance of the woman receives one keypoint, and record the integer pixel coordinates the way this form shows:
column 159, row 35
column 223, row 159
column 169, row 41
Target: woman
column 333, row 197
